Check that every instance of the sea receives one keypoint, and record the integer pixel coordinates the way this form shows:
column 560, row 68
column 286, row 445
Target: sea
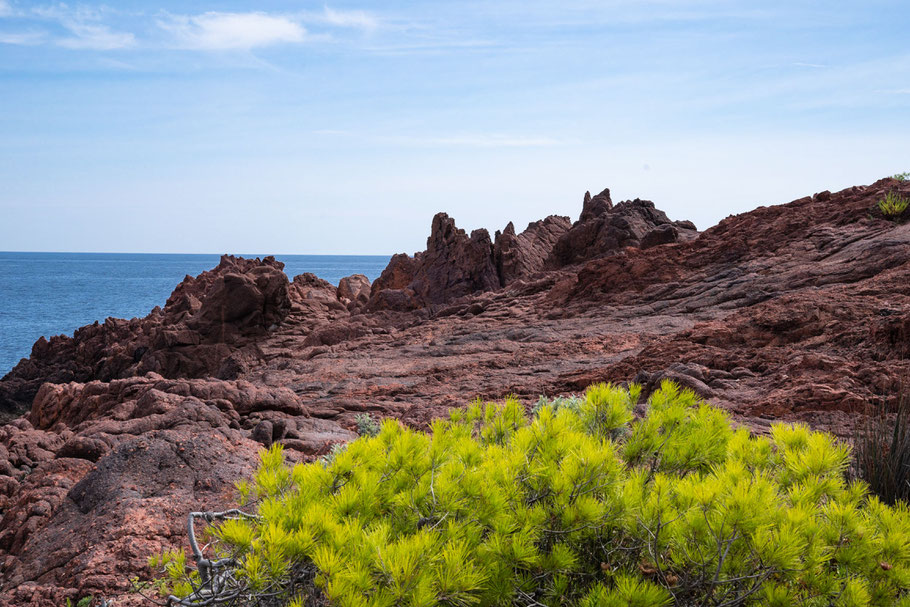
column 56, row 293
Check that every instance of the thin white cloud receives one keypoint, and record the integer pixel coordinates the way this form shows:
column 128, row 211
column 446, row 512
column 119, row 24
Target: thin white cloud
column 85, row 28
column 23, row 38
column 229, row 31
column 812, row 65
column 343, row 18
column 88, row 28
column 95, row 37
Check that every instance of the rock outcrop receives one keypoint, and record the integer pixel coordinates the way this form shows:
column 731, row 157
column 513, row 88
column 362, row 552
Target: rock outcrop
column 205, row 320
column 523, row 255
column 354, row 291
column 456, row 265
column 604, row 229
column 797, row 312
column 99, row 475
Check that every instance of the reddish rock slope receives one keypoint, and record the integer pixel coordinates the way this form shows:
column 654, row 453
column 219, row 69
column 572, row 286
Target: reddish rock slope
column 794, row 312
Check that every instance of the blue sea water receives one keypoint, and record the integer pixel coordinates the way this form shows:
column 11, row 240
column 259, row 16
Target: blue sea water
column 56, row 293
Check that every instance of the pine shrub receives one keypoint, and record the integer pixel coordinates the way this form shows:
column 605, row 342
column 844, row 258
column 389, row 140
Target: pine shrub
column 573, row 506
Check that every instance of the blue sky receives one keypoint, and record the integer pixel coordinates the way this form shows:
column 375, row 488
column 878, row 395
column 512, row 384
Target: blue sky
column 280, row 127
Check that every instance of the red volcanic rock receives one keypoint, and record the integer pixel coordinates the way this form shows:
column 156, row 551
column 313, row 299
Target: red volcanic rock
column 663, row 234
column 797, row 312
column 604, row 229
column 162, row 447
column 594, row 207
column 398, row 274
column 521, row 255
column 204, row 321
column 315, row 297
column 244, row 294
column 457, row 265
column 354, row 291
column 453, row 265
column 131, row 505
column 390, row 291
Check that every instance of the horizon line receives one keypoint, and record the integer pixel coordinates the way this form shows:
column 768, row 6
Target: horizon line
column 244, row 255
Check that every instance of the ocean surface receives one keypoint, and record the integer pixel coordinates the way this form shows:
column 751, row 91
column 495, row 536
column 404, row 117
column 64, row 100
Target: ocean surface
column 56, row 293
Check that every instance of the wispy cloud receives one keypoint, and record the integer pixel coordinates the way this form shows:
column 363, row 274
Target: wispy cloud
column 84, row 28
column 810, row 65
column 345, row 18
column 30, row 38
column 95, row 37
column 227, row 31
column 91, row 28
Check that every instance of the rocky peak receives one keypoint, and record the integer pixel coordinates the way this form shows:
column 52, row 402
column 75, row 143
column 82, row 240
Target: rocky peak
column 604, row 229
column 595, row 207
column 454, row 264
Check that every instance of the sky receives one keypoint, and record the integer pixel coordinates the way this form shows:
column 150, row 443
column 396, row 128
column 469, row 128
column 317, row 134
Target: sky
column 342, row 127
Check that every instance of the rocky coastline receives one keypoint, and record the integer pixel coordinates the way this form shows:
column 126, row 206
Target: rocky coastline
column 796, row 312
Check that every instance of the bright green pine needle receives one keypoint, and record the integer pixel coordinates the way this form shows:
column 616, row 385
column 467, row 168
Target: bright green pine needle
column 576, row 505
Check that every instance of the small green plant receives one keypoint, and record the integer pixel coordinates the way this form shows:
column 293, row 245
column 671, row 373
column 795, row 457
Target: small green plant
column 85, row 601
column 366, row 425
column 572, row 402
column 882, row 450
column 893, row 204
column 576, row 506
column 334, row 450
column 901, row 176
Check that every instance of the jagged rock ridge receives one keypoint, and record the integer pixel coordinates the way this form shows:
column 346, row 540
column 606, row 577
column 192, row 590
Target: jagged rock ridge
column 455, row 264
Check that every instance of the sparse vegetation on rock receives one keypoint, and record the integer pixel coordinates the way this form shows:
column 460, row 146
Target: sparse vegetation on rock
column 366, row 425
column 577, row 505
column 882, row 450
column 893, row 204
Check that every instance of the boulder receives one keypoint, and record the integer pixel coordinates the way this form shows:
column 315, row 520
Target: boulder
column 354, row 289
